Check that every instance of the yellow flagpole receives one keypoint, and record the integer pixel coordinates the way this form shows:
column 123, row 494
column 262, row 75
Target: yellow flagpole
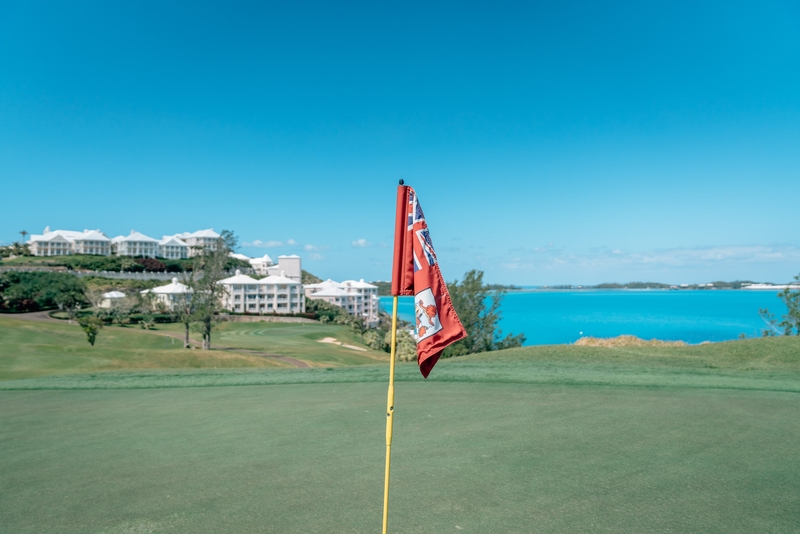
column 389, row 418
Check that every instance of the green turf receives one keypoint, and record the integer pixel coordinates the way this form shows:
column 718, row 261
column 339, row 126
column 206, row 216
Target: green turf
column 555, row 439
column 296, row 340
column 30, row 349
column 468, row 457
column 36, row 348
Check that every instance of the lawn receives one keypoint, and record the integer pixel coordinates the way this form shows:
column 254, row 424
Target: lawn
column 468, row 457
column 554, row 439
column 35, row 348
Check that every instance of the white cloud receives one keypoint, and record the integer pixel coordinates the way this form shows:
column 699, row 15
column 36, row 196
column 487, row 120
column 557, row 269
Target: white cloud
column 273, row 243
column 263, row 244
column 606, row 259
column 316, row 256
column 361, row 243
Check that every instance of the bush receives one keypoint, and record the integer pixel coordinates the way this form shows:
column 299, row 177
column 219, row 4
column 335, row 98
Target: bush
column 26, row 292
column 151, row 265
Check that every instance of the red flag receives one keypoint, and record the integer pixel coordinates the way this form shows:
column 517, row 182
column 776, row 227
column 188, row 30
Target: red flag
column 416, row 272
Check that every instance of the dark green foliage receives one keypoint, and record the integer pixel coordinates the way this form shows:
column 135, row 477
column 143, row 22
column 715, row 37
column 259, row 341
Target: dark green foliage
column 91, row 325
column 151, row 265
column 384, row 288
column 478, row 307
column 326, row 312
column 23, row 292
column 790, row 323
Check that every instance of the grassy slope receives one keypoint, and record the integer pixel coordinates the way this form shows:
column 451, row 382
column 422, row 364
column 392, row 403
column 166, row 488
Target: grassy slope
column 766, row 364
column 297, row 340
column 31, row 349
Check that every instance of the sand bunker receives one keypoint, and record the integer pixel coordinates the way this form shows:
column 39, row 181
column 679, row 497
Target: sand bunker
column 345, row 345
column 626, row 341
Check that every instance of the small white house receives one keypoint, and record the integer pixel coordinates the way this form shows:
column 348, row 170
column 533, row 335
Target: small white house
column 169, row 295
column 110, row 298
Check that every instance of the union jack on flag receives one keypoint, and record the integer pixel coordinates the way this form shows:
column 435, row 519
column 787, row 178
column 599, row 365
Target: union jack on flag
column 416, row 272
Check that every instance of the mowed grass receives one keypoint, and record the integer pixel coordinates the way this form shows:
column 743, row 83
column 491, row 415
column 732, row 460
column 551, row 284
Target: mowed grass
column 35, row 348
column 468, row 457
column 296, row 340
column 555, row 439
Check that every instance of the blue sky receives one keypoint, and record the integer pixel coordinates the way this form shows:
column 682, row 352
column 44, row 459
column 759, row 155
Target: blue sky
column 568, row 143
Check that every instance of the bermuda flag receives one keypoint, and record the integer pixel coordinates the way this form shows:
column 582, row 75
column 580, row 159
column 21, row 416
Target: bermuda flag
column 416, row 272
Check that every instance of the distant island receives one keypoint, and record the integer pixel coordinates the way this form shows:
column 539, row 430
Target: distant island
column 738, row 284
column 385, row 288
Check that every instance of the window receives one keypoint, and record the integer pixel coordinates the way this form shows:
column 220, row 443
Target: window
column 237, row 297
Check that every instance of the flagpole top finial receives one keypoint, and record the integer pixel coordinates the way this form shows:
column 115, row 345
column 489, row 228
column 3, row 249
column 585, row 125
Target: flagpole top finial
column 402, row 182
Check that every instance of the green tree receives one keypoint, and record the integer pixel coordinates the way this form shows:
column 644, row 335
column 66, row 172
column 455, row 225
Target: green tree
column 209, row 266
column 70, row 299
column 91, row 325
column 478, row 307
column 790, row 323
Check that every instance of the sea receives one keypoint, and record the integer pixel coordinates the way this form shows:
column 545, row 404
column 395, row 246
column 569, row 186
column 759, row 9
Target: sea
column 557, row 317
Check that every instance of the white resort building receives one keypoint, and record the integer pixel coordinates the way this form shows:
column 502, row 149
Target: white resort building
column 273, row 294
column 64, row 242
column 172, row 248
column 135, row 244
column 199, row 240
column 95, row 242
column 359, row 298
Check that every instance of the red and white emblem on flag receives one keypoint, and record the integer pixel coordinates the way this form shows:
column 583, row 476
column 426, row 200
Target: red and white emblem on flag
column 416, row 272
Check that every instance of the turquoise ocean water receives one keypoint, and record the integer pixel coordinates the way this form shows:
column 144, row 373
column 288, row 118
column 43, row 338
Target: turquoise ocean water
column 552, row 317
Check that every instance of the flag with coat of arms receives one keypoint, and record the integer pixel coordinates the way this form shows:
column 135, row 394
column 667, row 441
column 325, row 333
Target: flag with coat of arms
column 416, row 272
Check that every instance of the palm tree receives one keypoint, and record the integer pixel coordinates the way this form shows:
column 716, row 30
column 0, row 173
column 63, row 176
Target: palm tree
column 24, row 233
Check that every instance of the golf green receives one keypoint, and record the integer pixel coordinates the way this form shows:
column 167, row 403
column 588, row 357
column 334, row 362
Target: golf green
column 468, row 457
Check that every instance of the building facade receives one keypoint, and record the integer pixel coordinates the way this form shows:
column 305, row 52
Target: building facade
column 358, row 298
column 273, row 294
column 199, row 240
column 64, row 242
column 135, row 244
column 172, row 248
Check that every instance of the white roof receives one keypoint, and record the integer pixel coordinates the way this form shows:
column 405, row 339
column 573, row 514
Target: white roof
column 239, row 256
column 134, row 236
column 238, row 278
column 289, row 256
column 208, row 232
column 172, row 288
column 359, row 284
column 172, row 240
column 114, row 295
column 93, row 235
column 266, row 259
column 68, row 235
column 281, row 279
column 325, row 285
column 334, row 292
